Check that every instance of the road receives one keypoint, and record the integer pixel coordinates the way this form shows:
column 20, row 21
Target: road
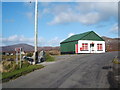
column 69, row 71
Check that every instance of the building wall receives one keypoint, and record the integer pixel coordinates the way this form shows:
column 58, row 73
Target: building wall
column 68, row 47
column 89, row 49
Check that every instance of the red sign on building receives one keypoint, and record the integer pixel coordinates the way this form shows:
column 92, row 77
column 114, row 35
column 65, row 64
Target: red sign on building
column 76, row 46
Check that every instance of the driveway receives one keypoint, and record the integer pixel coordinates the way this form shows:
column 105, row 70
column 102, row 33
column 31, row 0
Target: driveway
column 69, row 71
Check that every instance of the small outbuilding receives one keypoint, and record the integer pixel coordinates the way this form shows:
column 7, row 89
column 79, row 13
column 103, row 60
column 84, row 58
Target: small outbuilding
column 88, row 42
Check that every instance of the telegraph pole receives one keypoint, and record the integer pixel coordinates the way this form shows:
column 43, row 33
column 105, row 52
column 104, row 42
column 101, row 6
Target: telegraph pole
column 36, row 32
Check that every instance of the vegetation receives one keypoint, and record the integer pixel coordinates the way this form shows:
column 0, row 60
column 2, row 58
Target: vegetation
column 54, row 52
column 11, row 70
column 116, row 60
column 29, row 54
column 49, row 58
column 8, row 57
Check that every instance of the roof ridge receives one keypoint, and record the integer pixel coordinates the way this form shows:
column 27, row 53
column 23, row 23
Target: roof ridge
column 79, row 36
column 80, row 33
column 99, row 36
column 87, row 34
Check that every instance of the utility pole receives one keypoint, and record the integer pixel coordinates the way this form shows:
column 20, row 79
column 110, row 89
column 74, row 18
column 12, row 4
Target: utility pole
column 36, row 32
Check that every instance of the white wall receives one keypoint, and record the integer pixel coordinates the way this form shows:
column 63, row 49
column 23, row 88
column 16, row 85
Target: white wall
column 95, row 46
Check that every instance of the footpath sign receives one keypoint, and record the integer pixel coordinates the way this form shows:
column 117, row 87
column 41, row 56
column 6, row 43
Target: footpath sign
column 18, row 52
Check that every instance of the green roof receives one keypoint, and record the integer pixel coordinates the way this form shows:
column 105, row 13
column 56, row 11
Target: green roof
column 91, row 35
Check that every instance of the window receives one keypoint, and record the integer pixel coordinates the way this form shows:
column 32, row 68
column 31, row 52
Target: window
column 99, row 47
column 84, row 47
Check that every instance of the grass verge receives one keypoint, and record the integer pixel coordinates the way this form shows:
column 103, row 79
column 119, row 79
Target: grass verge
column 16, row 73
column 49, row 58
column 116, row 60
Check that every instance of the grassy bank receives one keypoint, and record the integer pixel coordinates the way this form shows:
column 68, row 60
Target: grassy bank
column 116, row 60
column 49, row 58
column 13, row 71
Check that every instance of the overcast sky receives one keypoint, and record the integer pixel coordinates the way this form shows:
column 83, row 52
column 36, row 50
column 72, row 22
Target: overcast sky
column 57, row 21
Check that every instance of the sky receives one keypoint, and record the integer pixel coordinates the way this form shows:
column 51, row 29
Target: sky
column 57, row 21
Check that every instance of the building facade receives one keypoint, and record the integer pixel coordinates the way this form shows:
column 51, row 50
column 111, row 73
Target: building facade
column 88, row 42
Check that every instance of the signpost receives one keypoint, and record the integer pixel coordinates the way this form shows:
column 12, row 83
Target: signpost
column 16, row 55
column 18, row 52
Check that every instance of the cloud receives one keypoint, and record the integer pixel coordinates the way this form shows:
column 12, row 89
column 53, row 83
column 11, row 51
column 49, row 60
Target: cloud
column 15, row 39
column 106, row 7
column 84, row 13
column 114, row 29
column 87, row 19
column 54, row 42
column 70, row 34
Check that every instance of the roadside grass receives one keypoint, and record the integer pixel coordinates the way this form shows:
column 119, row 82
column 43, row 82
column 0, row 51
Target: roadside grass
column 10, row 70
column 7, row 57
column 17, row 72
column 116, row 60
column 49, row 58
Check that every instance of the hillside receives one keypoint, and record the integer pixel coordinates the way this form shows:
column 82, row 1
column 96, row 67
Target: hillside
column 26, row 48
column 112, row 44
column 11, row 48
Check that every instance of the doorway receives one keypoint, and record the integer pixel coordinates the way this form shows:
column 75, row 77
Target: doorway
column 92, row 48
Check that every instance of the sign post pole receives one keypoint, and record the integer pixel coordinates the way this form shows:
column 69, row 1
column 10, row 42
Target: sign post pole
column 16, row 55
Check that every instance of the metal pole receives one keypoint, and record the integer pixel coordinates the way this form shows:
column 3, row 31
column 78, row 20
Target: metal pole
column 36, row 31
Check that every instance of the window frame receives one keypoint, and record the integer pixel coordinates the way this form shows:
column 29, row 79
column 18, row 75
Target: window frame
column 84, row 47
column 99, row 47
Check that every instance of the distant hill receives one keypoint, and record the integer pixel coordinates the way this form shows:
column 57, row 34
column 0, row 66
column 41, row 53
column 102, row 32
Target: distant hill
column 112, row 44
column 26, row 48
column 11, row 48
column 48, row 48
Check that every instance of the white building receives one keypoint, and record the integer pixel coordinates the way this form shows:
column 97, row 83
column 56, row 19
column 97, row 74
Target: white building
column 89, row 46
column 88, row 42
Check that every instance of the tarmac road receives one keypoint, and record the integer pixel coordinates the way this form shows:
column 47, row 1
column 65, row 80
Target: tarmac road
column 69, row 71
